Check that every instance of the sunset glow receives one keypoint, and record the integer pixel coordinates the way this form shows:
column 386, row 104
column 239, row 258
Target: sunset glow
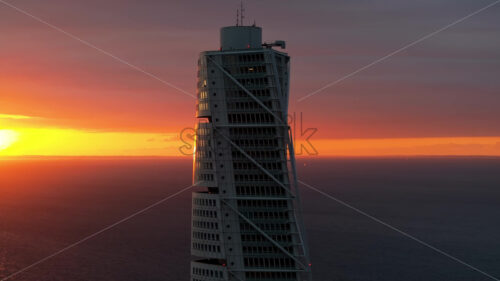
column 464, row 146
column 58, row 96
column 7, row 138
column 71, row 142
column 14, row 116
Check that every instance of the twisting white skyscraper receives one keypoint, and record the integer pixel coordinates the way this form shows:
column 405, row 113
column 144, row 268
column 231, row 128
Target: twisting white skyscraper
column 246, row 223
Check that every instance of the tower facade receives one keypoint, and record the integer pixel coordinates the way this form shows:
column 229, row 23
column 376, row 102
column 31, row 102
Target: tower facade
column 246, row 223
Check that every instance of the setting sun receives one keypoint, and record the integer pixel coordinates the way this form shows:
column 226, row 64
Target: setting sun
column 7, row 137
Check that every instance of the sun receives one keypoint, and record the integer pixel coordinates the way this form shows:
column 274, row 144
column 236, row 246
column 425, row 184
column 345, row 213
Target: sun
column 7, row 138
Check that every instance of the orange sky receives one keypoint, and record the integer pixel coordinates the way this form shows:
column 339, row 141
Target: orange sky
column 46, row 141
column 61, row 97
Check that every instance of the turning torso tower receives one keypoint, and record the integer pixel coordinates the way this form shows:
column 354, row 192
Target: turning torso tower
column 246, row 221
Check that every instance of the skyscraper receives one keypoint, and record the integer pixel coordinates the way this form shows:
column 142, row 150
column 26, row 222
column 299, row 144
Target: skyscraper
column 246, row 223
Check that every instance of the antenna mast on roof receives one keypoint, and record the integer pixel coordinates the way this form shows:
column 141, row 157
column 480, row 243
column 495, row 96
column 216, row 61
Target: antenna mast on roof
column 237, row 17
column 242, row 13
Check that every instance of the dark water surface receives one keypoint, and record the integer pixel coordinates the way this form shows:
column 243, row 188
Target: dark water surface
column 450, row 203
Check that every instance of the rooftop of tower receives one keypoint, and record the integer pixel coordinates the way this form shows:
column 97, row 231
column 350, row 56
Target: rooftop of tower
column 239, row 37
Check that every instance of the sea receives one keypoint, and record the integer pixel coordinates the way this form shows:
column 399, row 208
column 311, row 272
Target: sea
column 387, row 219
